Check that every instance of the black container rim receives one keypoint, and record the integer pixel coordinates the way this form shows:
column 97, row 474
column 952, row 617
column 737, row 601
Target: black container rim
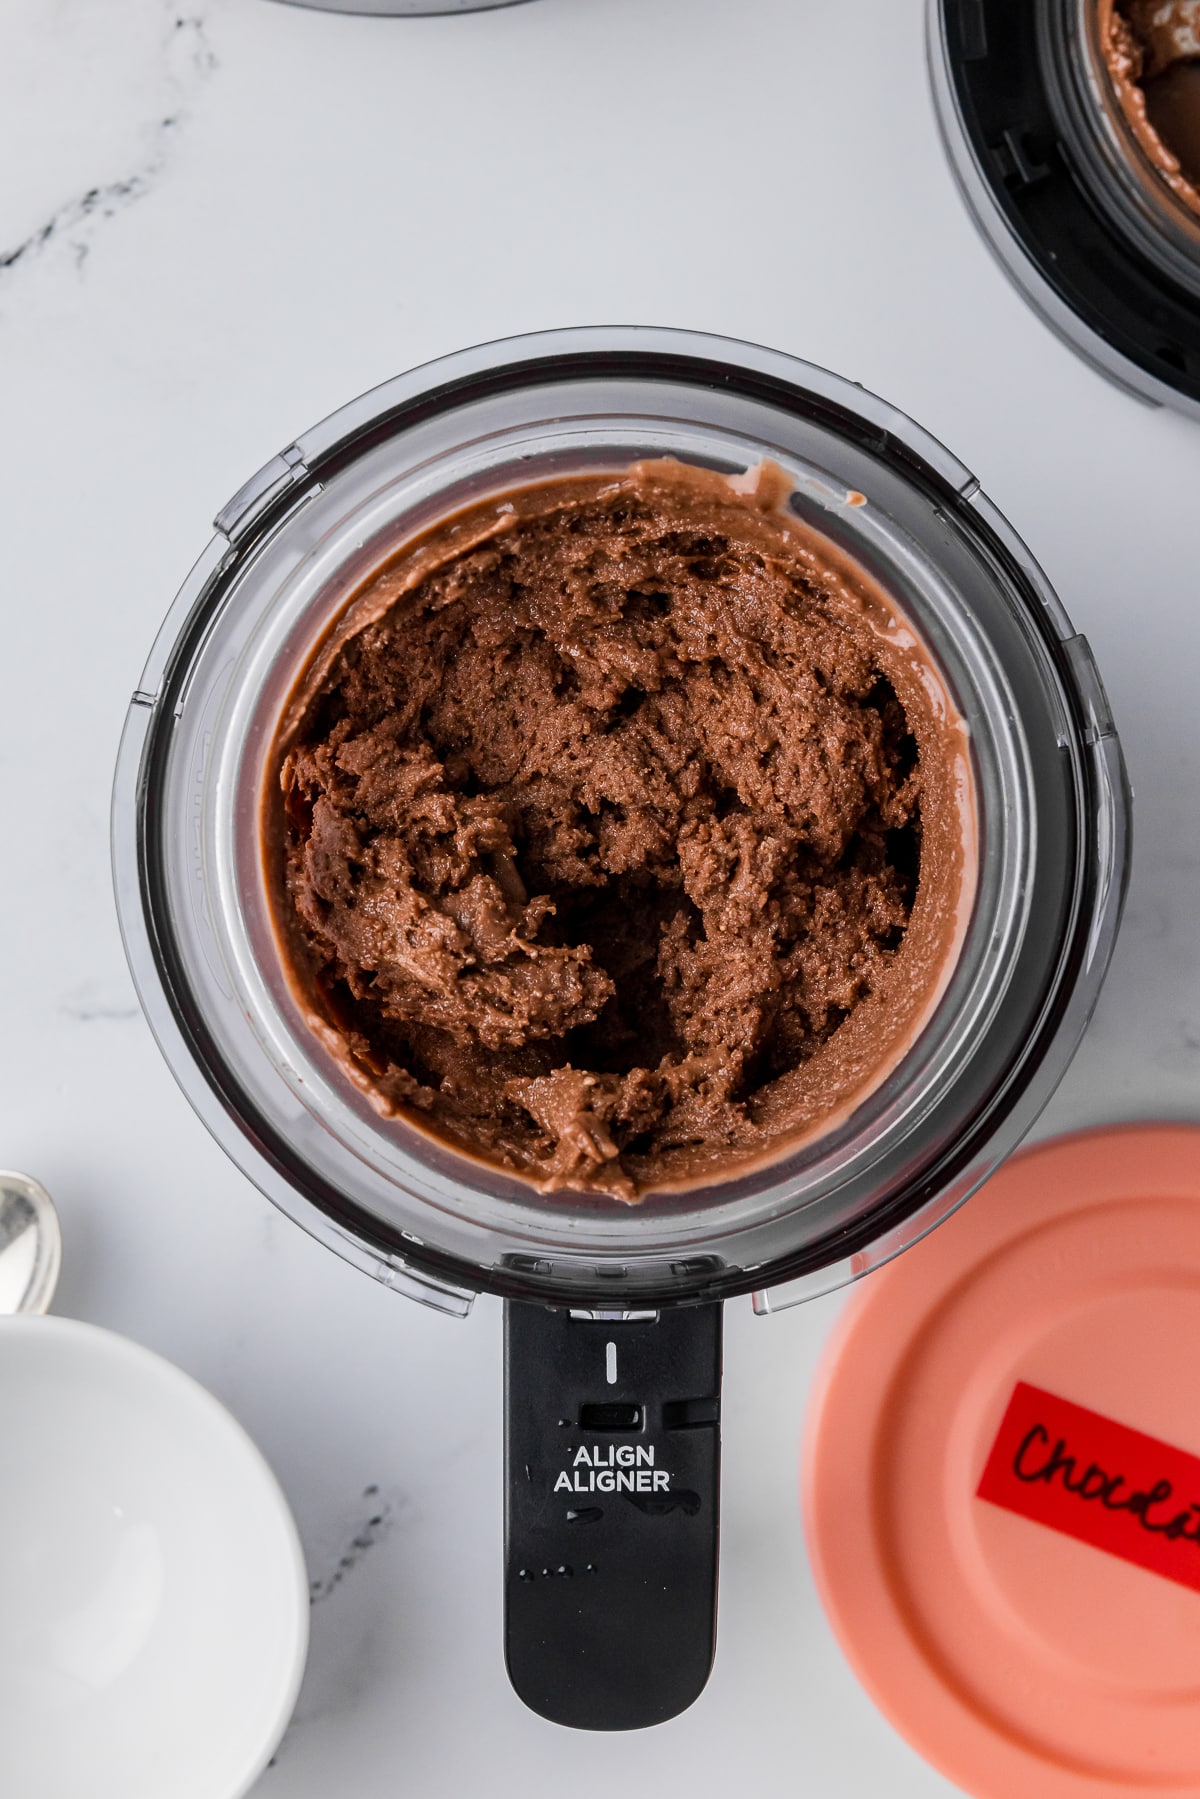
column 1021, row 182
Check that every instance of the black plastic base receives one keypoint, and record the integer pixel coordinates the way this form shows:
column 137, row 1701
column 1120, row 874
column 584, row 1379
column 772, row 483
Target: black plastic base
column 611, row 1522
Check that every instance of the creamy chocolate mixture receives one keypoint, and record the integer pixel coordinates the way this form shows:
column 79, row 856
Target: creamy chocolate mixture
column 615, row 831
column 1152, row 48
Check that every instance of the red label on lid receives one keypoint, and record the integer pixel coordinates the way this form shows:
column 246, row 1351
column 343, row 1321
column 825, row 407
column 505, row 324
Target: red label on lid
column 1098, row 1481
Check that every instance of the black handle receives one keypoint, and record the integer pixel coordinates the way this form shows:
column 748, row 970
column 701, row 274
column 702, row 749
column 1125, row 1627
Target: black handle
column 613, row 1455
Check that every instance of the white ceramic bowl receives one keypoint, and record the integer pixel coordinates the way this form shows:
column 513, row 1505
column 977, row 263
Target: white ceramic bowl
column 153, row 1595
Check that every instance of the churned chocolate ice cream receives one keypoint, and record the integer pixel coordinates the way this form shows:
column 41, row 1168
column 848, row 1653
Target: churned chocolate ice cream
column 1152, row 48
column 617, row 830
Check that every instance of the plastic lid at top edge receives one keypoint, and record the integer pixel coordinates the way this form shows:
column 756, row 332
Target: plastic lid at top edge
column 1002, row 1476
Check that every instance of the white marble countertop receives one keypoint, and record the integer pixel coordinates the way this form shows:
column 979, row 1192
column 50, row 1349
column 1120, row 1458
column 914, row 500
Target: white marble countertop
column 218, row 222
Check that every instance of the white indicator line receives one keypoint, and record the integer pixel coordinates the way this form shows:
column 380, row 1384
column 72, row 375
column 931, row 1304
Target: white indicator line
column 610, row 1363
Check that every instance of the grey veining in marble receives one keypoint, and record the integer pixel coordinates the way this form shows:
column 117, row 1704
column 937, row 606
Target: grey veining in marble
column 217, row 224
column 179, row 63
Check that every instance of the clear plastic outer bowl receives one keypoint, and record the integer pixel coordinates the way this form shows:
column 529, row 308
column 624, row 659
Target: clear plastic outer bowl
column 1051, row 794
column 409, row 8
column 1061, row 193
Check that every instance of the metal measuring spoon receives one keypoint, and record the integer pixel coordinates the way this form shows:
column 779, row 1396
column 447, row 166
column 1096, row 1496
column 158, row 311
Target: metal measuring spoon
column 30, row 1245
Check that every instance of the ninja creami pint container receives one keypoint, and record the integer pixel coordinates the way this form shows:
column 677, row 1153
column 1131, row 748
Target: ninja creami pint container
column 1073, row 129
column 616, row 819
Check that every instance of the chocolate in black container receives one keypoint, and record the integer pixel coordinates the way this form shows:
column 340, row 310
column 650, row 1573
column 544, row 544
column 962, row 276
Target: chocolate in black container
column 613, row 1333
column 1057, row 185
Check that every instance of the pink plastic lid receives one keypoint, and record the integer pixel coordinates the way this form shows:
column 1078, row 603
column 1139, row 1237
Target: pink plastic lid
column 1002, row 1476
